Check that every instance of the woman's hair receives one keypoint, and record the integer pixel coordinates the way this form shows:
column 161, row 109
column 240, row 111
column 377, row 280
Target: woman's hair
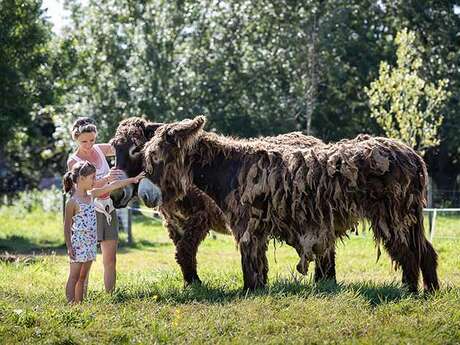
column 83, row 125
column 83, row 168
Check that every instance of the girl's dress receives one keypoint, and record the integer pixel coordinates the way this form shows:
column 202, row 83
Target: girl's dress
column 104, row 204
column 84, row 235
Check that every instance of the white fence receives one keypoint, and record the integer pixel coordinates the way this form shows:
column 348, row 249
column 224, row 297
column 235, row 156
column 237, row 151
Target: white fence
column 433, row 213
column 125, row 216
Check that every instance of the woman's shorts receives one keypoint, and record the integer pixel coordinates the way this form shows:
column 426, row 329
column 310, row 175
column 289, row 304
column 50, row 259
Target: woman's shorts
column 107, row 231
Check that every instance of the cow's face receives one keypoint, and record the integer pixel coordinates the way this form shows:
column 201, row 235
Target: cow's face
column 165, row 158
column 129, row 140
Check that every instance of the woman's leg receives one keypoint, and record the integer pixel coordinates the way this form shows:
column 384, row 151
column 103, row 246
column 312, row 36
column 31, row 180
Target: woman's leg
column 109, row 260
column 79, row 287
column 72, row 281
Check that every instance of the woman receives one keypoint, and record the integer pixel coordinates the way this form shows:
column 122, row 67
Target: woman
column 84, row 132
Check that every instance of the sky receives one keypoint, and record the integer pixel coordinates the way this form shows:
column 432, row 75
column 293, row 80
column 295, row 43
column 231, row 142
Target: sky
column 55, row 12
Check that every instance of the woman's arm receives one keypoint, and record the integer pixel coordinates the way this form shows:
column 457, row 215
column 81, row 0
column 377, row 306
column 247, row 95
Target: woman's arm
column 70, row 164
column 107, row 149
column 69, row 213
column 95, row 192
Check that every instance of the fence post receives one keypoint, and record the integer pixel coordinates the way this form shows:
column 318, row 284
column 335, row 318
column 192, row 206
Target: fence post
column 129, row 228
column 433, row 225
column 64, row 200
column 430, row 202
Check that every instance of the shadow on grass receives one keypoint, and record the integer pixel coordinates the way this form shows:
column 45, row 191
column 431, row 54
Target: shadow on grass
column 376, row 294
column 15, row 244
column 23, row 245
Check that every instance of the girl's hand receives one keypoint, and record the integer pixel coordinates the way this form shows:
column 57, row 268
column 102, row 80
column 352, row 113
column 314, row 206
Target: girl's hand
column 137, row 178
column 70, row 252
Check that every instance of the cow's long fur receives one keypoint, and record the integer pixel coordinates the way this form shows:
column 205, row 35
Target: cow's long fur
column 307, row 197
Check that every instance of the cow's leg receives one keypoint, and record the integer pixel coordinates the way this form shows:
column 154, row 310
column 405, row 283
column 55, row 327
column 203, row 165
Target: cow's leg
column 325, row 266
column 407, row 260
column 428, row 265
column 254, row 261
column 195, row 230
column 182, row 255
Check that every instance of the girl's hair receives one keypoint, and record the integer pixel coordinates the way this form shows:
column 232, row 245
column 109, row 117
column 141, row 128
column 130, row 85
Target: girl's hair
column 84, row 168
column 83, row 125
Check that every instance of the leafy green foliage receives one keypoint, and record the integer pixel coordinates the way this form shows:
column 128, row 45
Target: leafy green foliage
column 27, row 147
column 253, row 67
column 24, row 37
column 404, row 104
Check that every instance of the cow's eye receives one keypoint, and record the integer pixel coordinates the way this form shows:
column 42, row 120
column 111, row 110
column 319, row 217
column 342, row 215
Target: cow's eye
column 155, row 158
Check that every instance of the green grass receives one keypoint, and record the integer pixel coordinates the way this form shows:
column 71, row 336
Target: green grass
column 150, row 304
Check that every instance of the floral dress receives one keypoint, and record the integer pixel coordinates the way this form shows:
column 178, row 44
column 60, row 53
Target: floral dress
column 84, row 235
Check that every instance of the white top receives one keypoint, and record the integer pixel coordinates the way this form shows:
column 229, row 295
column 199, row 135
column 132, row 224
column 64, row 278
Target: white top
column 100, row 171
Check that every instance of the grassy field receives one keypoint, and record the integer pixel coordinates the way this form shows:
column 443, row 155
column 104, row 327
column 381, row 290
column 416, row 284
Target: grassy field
column 150, row 305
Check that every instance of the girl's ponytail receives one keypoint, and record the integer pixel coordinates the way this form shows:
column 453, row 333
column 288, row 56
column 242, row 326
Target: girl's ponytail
column 67, row 182
column 83, row 168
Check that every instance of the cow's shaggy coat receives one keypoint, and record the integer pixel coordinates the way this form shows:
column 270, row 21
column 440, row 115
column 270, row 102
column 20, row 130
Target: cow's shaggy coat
column 307, row 197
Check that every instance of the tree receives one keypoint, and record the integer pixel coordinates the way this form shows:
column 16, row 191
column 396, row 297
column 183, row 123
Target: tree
column 26, row 88
column 404, row 104
column 24, row 38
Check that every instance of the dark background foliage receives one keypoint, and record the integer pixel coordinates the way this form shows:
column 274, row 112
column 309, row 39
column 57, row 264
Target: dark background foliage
column 253, row 67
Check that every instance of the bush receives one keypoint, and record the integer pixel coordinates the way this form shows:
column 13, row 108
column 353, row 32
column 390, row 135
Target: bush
column 48, row 200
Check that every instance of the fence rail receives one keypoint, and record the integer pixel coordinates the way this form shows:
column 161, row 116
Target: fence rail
column 126, row 216
column 432, row 220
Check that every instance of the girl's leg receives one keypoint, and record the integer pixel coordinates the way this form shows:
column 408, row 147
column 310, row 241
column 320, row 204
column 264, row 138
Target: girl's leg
column 74, row 273
column 84, row 271
column 109, row 259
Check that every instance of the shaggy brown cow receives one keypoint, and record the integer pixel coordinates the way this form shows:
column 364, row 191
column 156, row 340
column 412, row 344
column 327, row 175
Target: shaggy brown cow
column 188, row 220
column 306, row 197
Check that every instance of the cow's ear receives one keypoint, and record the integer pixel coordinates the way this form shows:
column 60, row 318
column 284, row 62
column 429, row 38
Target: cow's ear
column 187, row 131
column 150, row 129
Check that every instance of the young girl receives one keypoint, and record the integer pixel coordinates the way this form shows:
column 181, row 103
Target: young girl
column 84, row 132
column 80, row 223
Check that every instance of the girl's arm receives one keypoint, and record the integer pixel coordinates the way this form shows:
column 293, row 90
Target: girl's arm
column 95, row 192
column 69, row 213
